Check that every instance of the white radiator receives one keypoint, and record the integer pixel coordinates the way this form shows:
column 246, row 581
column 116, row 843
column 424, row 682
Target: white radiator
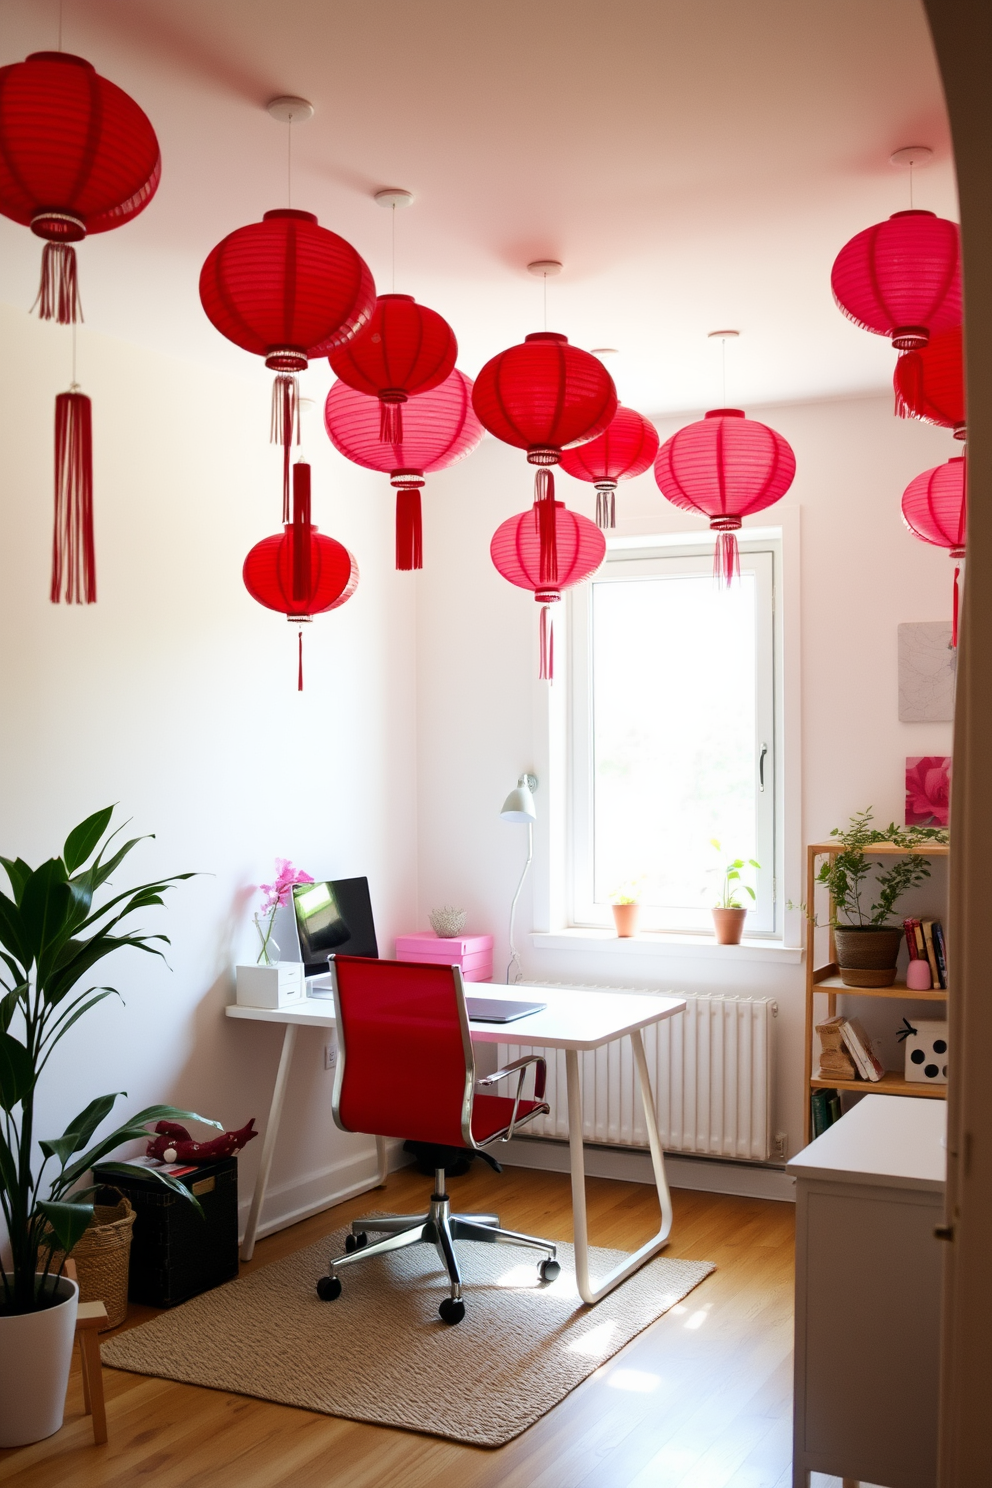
column 711, row 1076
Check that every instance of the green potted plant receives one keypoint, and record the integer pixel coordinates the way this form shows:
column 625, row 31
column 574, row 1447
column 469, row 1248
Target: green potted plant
column 626, row 907
column 51, row 938
column 864, row 894
column 728, row 912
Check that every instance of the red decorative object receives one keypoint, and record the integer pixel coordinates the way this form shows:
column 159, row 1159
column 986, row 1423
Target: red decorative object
column 544, row 395
column 929, row 383
column 286, row 289
column 73, row 553
column 622, row 451
column 531, row 556
column 77, row 156
column 725, row 466
column 928, row 790
column 300, row 573
column 173, row 1143
column 439, row 428
column 404, row 350
column 902, row 278
column 935, row 509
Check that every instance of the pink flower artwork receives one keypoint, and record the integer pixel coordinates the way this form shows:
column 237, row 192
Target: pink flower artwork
column 281, row 891
column 928, row 790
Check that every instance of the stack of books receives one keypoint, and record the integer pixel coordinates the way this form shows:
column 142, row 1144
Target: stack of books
column 840, row 1034
column 925, row 939
column 826, row 1110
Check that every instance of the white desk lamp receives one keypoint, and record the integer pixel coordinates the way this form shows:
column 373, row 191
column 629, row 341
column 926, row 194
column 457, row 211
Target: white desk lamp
column 519, row 807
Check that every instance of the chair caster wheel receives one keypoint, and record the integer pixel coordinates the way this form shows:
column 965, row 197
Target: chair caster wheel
column 452, row 1310
column 355, row 1242
column 549, row 1270
column 328, row 1288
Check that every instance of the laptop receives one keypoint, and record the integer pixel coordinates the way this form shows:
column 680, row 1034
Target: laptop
column 495, row 1010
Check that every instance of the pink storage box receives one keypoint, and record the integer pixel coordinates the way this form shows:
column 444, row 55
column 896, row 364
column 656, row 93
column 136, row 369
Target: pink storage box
column 472, row 954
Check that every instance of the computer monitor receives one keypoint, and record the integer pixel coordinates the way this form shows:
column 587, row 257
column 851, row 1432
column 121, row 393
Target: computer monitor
column 334, row 916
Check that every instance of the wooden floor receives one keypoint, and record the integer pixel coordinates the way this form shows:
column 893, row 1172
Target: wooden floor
column 701, row 1399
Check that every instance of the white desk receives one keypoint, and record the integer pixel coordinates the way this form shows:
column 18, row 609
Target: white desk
column 573, row 1021
column 869, row 1194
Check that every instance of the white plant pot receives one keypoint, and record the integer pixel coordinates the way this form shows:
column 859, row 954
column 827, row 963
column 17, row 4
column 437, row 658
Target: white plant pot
column 35, row 1355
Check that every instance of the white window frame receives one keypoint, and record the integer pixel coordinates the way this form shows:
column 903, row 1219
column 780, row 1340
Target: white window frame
column 631, row 557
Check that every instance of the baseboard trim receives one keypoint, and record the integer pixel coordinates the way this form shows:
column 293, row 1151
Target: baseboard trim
column 706, row 1174
column 303, row 1197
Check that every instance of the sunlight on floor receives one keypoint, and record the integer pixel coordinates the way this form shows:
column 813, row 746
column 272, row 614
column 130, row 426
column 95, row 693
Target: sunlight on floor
column 698, row 1318
column 595, row 1343
column 637, row 1381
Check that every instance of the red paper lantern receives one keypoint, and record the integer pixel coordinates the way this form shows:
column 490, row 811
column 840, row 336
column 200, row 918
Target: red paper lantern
column 286, row 289
column 929, row 383
column 622, row 451
column 544, row 396
column 519, row 551
column 440, row 428
column 901, row 278
column 725, row 466
column 405, row 350
column 77, row 156
column 301, row 573
column 935, row 509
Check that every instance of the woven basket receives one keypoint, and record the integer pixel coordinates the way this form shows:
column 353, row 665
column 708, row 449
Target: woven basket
column 101, row 1258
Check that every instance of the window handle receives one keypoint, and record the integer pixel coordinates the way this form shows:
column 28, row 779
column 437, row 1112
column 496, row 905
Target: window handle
column 761, row 767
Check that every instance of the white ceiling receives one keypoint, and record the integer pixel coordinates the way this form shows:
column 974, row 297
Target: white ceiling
column 694, row 165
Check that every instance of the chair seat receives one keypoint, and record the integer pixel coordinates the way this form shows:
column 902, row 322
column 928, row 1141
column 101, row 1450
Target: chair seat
column 492, row 1113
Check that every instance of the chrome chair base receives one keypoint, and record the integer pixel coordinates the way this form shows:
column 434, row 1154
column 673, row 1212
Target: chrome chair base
column 440, row 1228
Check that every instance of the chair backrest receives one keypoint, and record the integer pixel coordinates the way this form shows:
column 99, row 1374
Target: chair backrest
column 405, row 1061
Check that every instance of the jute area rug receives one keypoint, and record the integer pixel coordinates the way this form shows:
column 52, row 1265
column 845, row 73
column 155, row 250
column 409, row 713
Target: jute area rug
column 380, row 1353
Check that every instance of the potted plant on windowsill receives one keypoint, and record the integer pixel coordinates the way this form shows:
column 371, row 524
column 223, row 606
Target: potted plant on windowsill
column 866, row 944
column 626, row 907
column 728, row 912
column 51, row 937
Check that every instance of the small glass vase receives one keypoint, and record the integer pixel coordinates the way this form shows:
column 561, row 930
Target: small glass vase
column 269, row 952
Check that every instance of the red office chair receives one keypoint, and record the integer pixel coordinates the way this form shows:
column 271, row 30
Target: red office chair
column 406, row 1069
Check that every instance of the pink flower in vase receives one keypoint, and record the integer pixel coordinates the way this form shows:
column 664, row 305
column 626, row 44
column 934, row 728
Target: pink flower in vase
column 276, row 894
column 928, row 790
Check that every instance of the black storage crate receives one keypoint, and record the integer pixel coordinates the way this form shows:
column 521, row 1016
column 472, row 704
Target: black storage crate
column 175, row 1251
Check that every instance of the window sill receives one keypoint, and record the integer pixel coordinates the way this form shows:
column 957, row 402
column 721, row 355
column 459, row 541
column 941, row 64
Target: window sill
column 670, row 946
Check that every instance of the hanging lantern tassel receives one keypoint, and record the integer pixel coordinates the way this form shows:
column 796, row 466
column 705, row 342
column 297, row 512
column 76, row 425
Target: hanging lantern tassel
column 957, row 556
column 301, row 531
column 909, row 384
column 547, row 671
column 726, row 555
column 299, row 674
column 547, row 526
column 73, row 552
column 391, row 417
column 58, row 293
column 409, row 527
column 606, row 505
column 284, row 422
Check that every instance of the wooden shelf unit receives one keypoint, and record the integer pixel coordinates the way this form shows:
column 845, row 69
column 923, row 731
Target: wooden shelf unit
column 826, row 981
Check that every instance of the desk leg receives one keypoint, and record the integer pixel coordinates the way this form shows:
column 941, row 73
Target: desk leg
column 269, row 1140
column 587, row 1291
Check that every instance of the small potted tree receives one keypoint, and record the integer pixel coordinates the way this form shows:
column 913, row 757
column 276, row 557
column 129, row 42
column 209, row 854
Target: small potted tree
column 864, row 894
column 728, row 912
column 51, row 937
column 626, row 907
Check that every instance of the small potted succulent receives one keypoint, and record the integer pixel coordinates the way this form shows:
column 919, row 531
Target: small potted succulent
column 728, row 912
column 626, row 907
column 866, row 944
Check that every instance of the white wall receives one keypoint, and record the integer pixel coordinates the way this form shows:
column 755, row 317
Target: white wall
column 175, row 695
column 480, row 713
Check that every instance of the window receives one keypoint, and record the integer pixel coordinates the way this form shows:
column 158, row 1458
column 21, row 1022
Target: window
column 673, row 733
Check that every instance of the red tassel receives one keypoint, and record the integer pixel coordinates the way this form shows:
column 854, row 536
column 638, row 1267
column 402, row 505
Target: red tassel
column 301, row 531
column 284, row 422
column 58, row 294
column 606, row 510
column 391, row 421
column 547, row 671
column 726, row 560
column 409, row 531
column 73, row 551
column 954, row 611
column 547, row 526
column 913, row 363
column 299, row 675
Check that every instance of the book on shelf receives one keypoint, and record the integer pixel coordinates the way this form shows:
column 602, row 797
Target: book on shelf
column 861, row 1051
column 820, row 1111
column 941, row 949
column 909, row 925
column 925, row 941
column 833, row 1105
column 835, row 1061
column 927, row 926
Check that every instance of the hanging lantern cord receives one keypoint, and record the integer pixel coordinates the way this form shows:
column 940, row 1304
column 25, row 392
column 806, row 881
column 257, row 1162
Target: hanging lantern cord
column 299, row 675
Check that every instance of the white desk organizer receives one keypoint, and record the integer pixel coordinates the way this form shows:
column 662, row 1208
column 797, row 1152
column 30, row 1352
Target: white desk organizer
column 276, row 986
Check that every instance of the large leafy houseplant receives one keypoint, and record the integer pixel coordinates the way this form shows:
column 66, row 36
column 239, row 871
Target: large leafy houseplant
column 847, row 875
column 51, row 937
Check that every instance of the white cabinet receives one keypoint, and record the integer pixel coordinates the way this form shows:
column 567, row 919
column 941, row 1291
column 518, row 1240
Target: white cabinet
column 869, row 1193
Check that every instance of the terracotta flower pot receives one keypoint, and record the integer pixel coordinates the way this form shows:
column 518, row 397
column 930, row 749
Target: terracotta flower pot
column 867, row 954
column 729, row 925
column 625, row 919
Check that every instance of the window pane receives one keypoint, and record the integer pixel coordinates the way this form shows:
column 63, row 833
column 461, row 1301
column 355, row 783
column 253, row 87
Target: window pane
column 674, row 735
